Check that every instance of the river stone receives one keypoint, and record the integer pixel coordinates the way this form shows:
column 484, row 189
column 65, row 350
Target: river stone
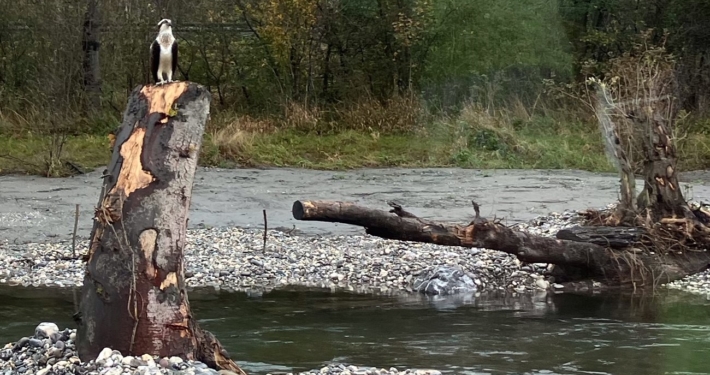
column 21, row 343
column 427, row 372
column 55, row 353
column 104, row 355
column 175, row 360
column 443, row 280
column 56, row 336
column 542, row 283
column 45, row 330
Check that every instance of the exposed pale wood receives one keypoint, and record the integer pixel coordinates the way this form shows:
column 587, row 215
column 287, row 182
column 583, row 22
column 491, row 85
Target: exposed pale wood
column 132, row 175
column 616, row 154
column 163, row 97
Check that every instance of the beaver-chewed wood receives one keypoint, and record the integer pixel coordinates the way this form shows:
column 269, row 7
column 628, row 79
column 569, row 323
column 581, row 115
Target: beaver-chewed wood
column 134, row 298
column 586, row 264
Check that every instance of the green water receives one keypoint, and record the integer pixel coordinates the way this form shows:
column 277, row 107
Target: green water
column 553, row 334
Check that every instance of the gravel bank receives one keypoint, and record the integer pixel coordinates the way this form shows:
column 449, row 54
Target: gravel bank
column 52, row 352
column 234, row 259
column 697, row 284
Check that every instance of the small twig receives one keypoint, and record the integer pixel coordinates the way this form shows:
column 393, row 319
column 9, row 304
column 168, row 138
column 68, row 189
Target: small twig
column 477, row 219
column 265, row 231
column 399, row 211
column 73, row 237
column 134, row 292
column 476, row 209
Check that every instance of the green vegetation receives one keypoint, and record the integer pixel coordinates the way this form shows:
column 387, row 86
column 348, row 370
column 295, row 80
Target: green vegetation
column 334, row 85
column 534, row 145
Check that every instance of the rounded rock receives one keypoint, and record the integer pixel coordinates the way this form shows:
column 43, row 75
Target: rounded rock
column 45, row 330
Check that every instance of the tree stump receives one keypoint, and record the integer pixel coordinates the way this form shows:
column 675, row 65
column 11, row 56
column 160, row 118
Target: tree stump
column 134, row 298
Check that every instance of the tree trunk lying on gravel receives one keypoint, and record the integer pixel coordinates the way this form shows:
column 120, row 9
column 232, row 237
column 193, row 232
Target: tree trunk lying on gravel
column 581, row 265
column 653, row 239
column 134, row 298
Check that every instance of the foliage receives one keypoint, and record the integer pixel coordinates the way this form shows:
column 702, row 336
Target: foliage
column 480, row 71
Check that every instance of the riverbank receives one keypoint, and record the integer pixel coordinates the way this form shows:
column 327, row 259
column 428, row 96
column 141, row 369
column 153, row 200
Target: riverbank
column 223, row 252
column 50, row 351
column 234, row 259
column 536, row 144
column 543, row 143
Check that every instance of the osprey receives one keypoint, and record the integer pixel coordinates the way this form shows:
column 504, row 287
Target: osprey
column 164, row 54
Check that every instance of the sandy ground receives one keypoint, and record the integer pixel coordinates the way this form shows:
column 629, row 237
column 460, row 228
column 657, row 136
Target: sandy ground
column 36, row 209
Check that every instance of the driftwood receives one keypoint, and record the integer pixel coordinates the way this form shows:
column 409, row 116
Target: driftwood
column 614, row 237
column 660, row 237
column 134, row 298
column 583, row 265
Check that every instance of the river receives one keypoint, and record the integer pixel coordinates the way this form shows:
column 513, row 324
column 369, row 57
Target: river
column 292, row 330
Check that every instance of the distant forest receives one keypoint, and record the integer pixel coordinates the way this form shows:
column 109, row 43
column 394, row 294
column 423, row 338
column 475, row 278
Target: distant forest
column 259, row 57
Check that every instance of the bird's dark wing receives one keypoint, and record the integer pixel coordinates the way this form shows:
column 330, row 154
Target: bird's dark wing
column 175, row 57
column 154, row 59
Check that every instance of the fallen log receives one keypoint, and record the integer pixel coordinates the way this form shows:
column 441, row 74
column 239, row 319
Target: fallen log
column 134, row 298
column 584, row 265
column 614, row 237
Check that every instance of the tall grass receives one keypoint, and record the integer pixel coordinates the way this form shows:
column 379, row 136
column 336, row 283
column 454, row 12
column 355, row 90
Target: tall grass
column 368, row 133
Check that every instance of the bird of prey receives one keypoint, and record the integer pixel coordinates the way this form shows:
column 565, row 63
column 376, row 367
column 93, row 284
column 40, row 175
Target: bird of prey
column 164, row 54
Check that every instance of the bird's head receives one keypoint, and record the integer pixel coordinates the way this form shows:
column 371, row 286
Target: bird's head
column 165, row 24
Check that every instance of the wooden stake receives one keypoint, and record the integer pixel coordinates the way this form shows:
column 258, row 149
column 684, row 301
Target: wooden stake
column 265, row 229
column 73, row 237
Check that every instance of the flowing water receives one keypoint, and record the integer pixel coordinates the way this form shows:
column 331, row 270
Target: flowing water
column 552, row 334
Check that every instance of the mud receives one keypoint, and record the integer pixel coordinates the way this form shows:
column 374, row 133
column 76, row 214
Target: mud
column 36, row 209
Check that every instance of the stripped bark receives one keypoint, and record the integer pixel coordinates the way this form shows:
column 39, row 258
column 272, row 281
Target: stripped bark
column 134, row 298
column 584, row 265
column 617, row 156
column 662, row 194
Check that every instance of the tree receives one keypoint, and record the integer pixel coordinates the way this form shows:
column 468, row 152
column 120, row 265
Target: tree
column 90, row 45
column 134, row 298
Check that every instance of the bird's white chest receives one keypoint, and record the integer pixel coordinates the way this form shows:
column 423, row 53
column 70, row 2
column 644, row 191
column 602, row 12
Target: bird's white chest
column 165, row 40
column 166, row 53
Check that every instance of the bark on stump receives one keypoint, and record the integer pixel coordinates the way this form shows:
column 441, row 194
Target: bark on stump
column 134, row 298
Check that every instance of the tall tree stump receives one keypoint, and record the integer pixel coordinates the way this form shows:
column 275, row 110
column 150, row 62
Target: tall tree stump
column 134, row 298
